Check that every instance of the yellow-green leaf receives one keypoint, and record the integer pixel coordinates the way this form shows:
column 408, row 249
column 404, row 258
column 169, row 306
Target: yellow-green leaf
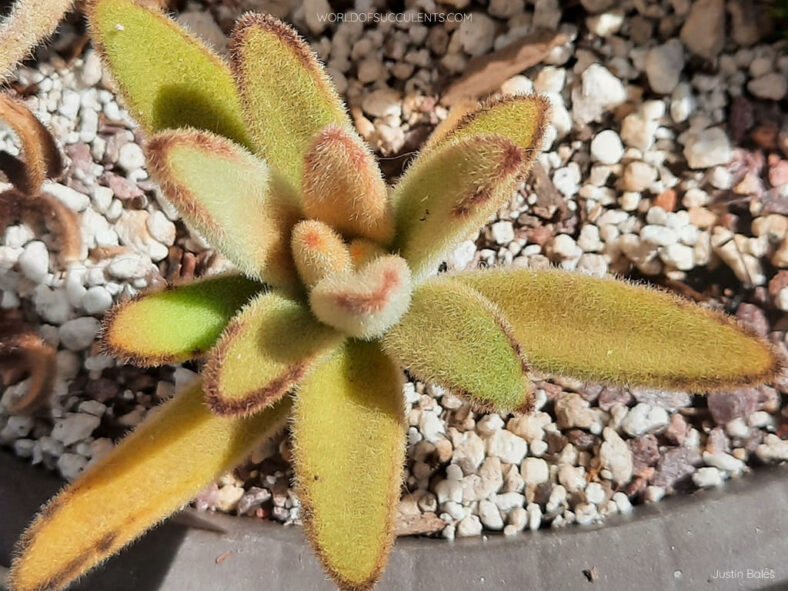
column 520, row 118
column 458, row 339
column 233, row 198
column 168, row 77
column 342, row 186
column 175, row 324
column 263, row 353
column 287, row 97
column 348, row 443
column 609, row 331
column 151, row 474
column 449, row 193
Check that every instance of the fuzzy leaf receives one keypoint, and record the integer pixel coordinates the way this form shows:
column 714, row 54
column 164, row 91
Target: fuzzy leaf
column 151, row 474
column 609, row 331
column 348, row 443
column 445, row 196
column 41, row 158
column 364, row 303
column 176, row 324
column 168, row 77
column 318, row 251
column 520, row 118
column 364, row 251
column 263, row 353
column 453, row 336
column 29, row 23
column 230, row 196
column 25, row 352
column 342, row 186
column 286, row 94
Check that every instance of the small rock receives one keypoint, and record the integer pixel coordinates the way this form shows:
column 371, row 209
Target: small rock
column 638, row 131
column 383, row 102
column 502, row 232
column 772, row 86
column 34, row 261
column 476, row 34
column 606, row 147
column 96, row 299
column 316, row 14
column 468, row 527
column 71, row 465
column 72, row 199
column 616, row 456
column 534, row 471
column 726, row 406
column 707, row 478
column 78, row 334
column 663, row 66
column 507, row 446
column 75, row 427
column 644, row 418
column 704, row 30
column 638, row 176
column 490, row 515
column 708, row 148
column 600, row 90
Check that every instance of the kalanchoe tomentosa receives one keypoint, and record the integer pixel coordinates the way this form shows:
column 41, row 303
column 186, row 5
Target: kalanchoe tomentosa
column 338, row 291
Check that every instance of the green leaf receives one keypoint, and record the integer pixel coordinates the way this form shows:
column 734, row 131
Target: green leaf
column 447, row 194
column 168, row 78
column 456, row 338
column 348, row 443
column 233, row 198
column 520, row 118
column 170, row 457
column 609, row 331
column 263, row 353
column 287, row 97
column 365, row 302
column 176, row 324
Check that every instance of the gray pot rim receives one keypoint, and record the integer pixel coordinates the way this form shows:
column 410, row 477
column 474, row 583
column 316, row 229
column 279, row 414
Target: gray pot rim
column 732, row 538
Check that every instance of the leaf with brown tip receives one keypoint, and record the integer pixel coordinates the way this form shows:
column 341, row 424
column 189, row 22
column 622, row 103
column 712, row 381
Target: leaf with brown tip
column 342, row 186
column 364, row 303
column 287, row 97
column 168, row 77
column 175, row 324
column 318, row 251
column 40, row 157
column 348, row 435
column 610, row 331
column 233, row 198
column 170, row 457
column 449, row 193
column 520, row 118
column 263, row 353
column 26, row 353
column 453, row 336
column 29, row 23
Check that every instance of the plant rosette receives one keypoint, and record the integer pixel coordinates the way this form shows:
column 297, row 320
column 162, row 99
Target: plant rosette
column 337, row 292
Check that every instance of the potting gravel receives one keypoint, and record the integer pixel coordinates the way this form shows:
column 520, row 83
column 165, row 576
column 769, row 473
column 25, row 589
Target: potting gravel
column 665, row 161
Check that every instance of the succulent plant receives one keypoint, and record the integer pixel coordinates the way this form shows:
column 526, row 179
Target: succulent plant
column 338, row 291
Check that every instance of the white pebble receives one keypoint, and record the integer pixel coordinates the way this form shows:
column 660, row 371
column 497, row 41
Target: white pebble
column 535, row 471
column 707, row 478
column 606, row 147
column 78, row 334
column 34, row 261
